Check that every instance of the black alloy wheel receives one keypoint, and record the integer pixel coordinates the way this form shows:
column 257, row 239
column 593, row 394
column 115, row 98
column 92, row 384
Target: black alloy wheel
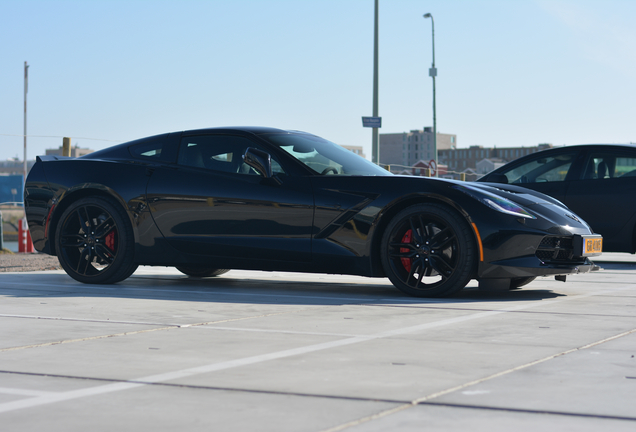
column 428, row 250
column 201, row 272
column 94, row 242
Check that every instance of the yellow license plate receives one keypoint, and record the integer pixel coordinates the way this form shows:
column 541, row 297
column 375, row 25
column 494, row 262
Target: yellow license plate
column 592, row 245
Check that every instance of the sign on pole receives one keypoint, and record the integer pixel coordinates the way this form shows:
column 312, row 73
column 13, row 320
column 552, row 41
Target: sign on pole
column 372, row 122
column 432, row 165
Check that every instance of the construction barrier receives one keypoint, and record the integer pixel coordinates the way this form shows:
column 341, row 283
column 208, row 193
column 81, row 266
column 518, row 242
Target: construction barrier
column 25, row 245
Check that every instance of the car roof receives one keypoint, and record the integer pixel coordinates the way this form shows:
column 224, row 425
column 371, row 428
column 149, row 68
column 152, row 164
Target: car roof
column 588, row 146
column 577, row 147
column 250, row 129
column 120, row 150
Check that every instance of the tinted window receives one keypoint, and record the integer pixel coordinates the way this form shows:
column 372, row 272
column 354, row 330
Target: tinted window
column 322, row 156
column 219, row 153
column 161, row 148
column 542, row 169
column 603, row 165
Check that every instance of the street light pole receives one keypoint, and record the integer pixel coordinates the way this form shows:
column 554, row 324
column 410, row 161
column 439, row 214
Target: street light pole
column 433, row 73
column 375, row 146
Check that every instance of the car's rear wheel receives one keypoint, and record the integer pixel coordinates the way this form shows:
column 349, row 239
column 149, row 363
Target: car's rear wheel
column 94, row 242
column 201, row 271
column 428, row 250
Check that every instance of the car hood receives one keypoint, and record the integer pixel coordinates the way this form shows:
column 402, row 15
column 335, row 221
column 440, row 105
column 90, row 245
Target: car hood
column 549, row 208
column 520, row 195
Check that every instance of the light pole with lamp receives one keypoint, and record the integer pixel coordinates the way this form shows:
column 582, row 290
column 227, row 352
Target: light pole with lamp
column 433, row 73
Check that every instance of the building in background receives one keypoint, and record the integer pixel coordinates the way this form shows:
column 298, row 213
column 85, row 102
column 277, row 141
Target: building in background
column 355, row 149
column 421, row 168
column 484, row 166
column 75, row 151
column 15, row 166
column 410, row 153
column 403, row 150
column 481, row 160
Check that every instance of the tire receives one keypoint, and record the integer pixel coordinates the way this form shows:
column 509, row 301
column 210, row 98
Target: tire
column 94, row 241
column 428, row 250
column 201, row 271
column 519, row 282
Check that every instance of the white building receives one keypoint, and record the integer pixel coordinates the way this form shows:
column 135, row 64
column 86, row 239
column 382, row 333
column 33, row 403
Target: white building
column 407, row 148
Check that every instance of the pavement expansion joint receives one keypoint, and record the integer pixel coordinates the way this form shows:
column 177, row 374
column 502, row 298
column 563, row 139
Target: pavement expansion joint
column 493, row 309
column 88, row 320
column 610, row 296
column 427, row 399
column 166, row 327
column 45, row 344
column 190, row 386
column 530, row 411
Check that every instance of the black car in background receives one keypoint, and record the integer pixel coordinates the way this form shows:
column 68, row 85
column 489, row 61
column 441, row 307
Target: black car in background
column 209, row 200
column 596, row 181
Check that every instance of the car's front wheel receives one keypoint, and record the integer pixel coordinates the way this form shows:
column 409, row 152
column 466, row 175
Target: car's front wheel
column 94, row 241
column 428, row 250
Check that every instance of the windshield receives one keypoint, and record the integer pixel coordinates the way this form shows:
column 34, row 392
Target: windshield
column 324, row 157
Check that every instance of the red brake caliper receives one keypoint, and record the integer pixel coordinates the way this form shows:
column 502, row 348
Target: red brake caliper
column 110, row 240
column 406, row 262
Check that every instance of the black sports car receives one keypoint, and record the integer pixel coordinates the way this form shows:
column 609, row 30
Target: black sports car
column 258, row 198
column 597, row 181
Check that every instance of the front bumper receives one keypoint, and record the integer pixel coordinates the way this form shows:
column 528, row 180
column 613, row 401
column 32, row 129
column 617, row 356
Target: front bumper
column 531, row 266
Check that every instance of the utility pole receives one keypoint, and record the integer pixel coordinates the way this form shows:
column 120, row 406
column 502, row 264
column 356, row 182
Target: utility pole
column 433, row 73
column 26, row 89
column 25, row 244
column 375, row 147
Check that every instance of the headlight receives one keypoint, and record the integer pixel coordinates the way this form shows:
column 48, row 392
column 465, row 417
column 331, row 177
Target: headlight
column 496, row 202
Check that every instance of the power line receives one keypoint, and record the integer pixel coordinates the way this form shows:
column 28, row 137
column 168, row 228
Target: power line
column 55, row 136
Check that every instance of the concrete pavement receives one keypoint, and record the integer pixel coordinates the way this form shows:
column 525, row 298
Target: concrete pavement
column 259, row 351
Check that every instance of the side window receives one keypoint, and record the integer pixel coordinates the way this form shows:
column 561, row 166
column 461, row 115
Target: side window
column 149, row 151
column 542, row 169
column 219, row 153
column 160, row 148
column 605, row 165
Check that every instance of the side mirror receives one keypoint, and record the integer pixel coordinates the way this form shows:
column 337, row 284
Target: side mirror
column 259, row 160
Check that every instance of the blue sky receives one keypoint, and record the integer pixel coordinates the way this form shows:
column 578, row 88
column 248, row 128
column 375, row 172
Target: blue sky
column 510, row 73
